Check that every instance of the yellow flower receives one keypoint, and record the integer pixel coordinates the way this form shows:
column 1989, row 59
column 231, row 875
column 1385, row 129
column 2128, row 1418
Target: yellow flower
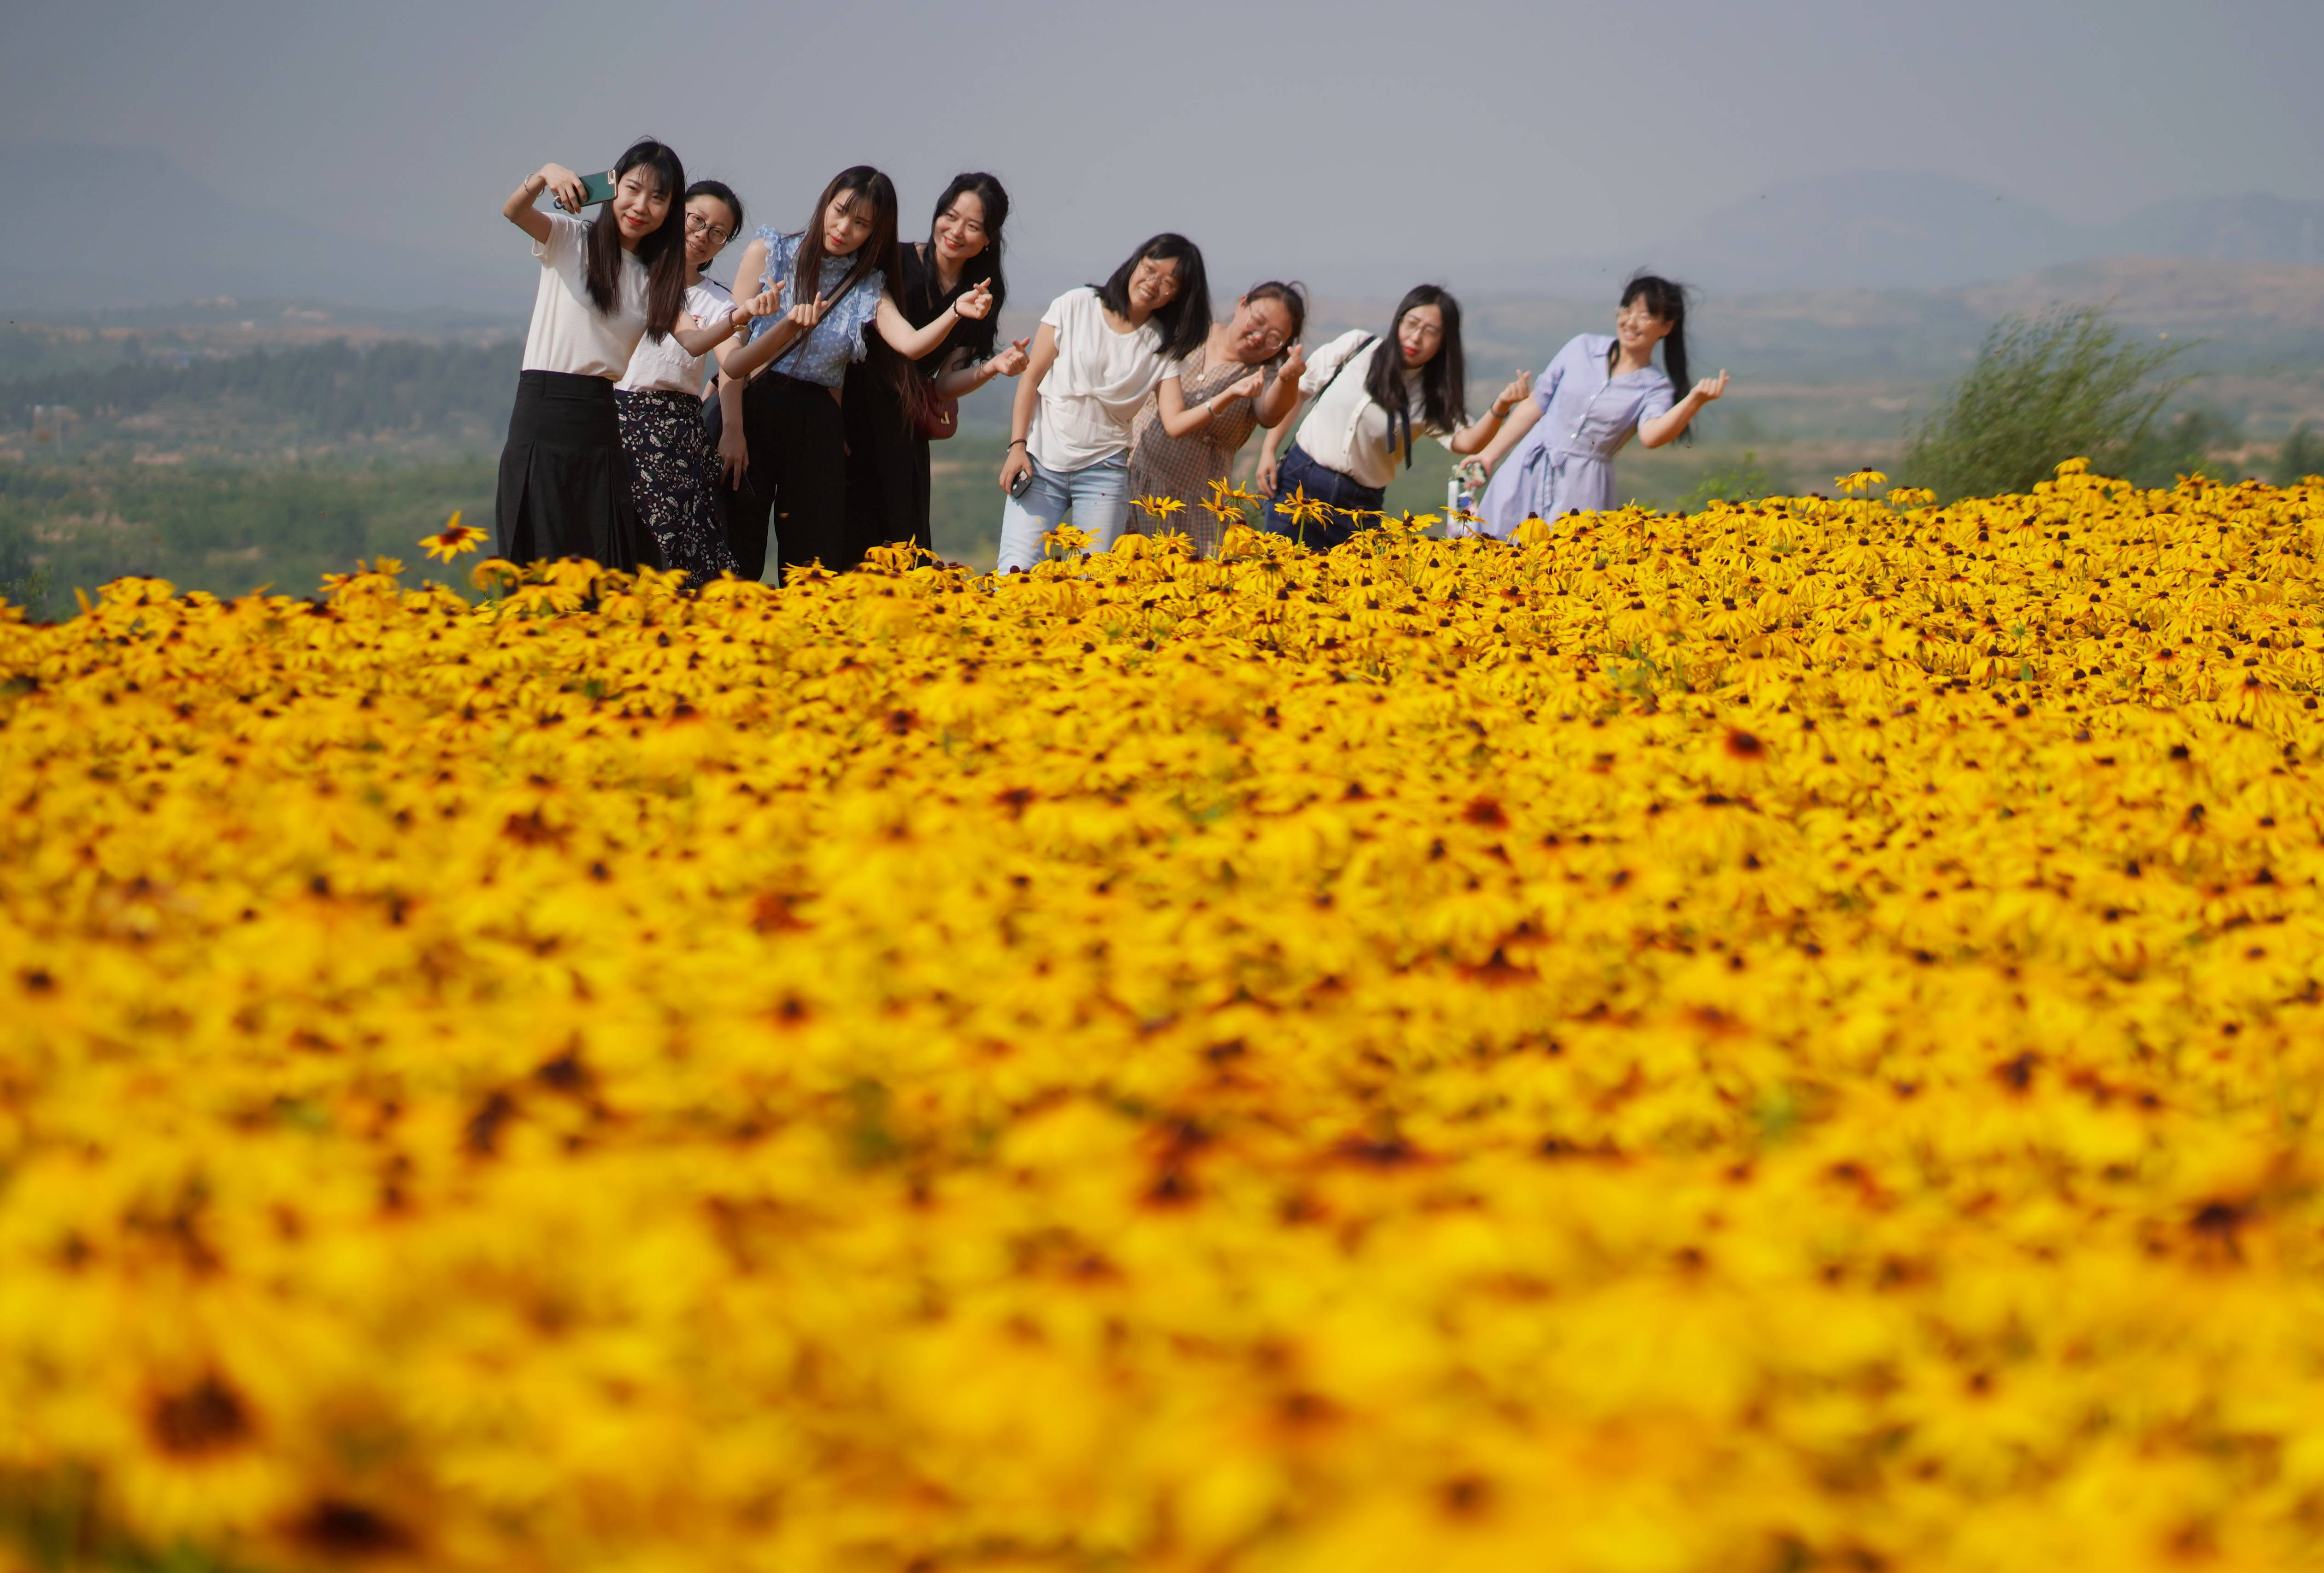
column 1296, row 1059
column 454, row 538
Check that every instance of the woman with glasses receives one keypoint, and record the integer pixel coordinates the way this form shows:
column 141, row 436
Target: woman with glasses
column 888, row 435
column 673, row 474
column 606, row 284
column 1184, row 441
column 1374, row 397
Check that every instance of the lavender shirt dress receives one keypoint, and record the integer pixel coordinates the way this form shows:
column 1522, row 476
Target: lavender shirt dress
column 1567, row 460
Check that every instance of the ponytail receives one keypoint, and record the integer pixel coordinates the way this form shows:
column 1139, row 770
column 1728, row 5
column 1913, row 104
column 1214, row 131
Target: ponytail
column 1668, row 301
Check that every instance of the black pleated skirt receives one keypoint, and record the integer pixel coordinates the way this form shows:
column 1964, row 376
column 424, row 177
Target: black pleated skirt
column 565, row 486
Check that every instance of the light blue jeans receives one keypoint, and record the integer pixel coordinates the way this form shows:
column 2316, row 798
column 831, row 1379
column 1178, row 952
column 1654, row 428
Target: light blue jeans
column 1096, row 497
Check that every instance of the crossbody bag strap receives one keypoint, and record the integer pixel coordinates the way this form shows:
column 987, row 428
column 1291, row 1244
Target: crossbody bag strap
column 1370, row 339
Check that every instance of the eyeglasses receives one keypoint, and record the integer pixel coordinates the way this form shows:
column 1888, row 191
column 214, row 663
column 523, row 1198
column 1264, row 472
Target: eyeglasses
column 719, row 234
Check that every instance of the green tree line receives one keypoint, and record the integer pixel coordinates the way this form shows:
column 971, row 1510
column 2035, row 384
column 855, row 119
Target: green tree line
column 324, row 393
column 226, row 529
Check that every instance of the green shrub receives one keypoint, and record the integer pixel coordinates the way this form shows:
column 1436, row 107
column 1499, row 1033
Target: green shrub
column 2064, row 384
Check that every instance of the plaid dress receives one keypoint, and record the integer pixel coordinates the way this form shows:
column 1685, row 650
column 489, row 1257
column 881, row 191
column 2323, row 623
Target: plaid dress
column 1162, row 465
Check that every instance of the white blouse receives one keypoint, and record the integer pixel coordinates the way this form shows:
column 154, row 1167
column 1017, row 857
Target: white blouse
column 1346, row 430
column 568, row 333
column 664, row 366
column 1091, row 394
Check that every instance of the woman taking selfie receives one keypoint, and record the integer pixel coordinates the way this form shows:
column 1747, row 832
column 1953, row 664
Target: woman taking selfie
column 1557, row 456
column 1186, row 436
column 781, row 440
column 888, row 438
column 1373, row 397
column 604, row 285
column 673, row 474
column 1100, row 351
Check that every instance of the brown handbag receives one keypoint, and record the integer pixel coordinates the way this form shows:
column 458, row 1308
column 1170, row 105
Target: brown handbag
column 936, row 417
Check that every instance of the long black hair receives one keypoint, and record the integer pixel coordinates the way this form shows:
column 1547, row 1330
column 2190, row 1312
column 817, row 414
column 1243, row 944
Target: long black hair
column 985, row 268
column 1443, row 380
column 663, row 252
column 1668, row 301
column 878, row 252
column 1186, row 322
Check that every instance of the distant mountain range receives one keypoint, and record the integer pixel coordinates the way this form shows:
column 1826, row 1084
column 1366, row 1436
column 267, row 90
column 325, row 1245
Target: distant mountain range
column 117, row 230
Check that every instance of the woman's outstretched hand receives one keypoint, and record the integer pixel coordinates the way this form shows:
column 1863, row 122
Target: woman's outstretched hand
column 1710, row 388
column 1248, row 387
column 1514, row 394
column 765, row 303
column 1012, row 361
column 1295, row 363
column 805, row 315
column 976, row 304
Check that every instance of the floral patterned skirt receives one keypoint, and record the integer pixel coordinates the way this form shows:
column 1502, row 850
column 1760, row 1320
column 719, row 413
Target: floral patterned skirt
column 674, row 480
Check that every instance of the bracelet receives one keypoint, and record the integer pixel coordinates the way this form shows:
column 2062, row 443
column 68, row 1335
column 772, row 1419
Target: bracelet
column 1017, row 442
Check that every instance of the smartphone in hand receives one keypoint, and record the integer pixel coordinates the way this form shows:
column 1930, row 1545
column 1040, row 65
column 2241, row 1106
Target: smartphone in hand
column 594, row 189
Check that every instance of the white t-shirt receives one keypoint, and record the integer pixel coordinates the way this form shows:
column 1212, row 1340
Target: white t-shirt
column 1346, row 430
column 568, row 333
column 1091, row 394
column 665, row 365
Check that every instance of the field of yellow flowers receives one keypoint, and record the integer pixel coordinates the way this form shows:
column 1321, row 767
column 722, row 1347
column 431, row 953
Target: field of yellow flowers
column 1785, row 1038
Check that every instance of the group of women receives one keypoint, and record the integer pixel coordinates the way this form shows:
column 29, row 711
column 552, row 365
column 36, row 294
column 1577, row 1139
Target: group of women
column 664, row 420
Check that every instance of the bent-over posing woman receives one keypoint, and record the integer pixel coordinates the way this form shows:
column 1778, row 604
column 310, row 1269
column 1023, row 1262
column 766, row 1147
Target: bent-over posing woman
column 1557, row 456
column 673, row 474
column 1100, row 351
column 1373, row 396
column 1241, row 376
column 782, row 442
column 888, row 438
column 604, row 285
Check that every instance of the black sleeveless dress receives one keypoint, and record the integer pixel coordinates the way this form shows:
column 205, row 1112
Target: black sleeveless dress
column 887, row 457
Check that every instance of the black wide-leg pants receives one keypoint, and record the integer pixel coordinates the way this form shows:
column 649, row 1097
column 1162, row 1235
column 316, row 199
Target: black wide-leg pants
column 797, row 473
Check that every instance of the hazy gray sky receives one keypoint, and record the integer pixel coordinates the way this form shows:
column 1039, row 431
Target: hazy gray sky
column 1309, row 130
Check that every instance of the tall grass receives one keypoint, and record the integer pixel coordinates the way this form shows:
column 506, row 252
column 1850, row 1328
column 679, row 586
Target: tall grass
column 2061, row 384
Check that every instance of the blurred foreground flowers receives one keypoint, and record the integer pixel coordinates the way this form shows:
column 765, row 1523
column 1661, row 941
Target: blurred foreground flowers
column 1782, row 1038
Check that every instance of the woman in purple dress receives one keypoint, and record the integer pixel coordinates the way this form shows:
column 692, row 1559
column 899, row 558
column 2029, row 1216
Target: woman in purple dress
column 1555, row 455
